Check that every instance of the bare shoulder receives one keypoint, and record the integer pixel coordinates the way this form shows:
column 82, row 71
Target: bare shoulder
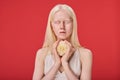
column 86, row 63
column 39, row 64
column 41, row 53
column 85, row 53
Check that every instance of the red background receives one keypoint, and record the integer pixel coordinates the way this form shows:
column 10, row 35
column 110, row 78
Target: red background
column 22, row 29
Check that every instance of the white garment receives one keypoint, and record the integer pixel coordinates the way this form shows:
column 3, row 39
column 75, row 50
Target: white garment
column 74, row 65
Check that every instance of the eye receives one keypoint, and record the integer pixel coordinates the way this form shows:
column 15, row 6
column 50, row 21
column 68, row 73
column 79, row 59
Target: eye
column 56, row 22
column 67, row 21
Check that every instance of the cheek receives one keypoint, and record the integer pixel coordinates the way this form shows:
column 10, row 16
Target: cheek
column 69, row 29
column 55, row 30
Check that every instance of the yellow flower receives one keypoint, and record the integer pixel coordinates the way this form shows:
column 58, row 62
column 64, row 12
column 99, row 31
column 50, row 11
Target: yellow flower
column 62, row 48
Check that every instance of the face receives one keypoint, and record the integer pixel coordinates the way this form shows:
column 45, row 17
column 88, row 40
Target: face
column 62, row 25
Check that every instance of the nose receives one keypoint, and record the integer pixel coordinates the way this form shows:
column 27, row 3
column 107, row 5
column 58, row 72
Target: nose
column 62, row 25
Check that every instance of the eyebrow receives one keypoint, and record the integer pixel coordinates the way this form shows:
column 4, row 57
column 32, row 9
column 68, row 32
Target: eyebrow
column 64, row 19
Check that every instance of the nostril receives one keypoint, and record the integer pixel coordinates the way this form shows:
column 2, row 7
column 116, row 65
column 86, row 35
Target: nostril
column 62, row 27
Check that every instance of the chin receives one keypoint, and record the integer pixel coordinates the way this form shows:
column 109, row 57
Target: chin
column 63, row 37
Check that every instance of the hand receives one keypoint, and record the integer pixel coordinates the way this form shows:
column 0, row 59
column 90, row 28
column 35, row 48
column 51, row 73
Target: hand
column 55, row 54
column 68, row 53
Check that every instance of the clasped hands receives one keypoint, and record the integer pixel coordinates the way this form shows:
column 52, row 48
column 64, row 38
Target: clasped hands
column 62, row 46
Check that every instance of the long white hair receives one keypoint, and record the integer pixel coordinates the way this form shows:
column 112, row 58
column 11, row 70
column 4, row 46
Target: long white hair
column 50, row 36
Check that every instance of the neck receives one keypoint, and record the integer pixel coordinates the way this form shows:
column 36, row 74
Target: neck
column 68, row 39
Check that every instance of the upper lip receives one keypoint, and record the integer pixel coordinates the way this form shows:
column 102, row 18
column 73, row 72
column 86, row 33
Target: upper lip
column 62, row 31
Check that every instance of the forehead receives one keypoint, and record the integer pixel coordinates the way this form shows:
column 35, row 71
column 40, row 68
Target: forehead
column 61, row 14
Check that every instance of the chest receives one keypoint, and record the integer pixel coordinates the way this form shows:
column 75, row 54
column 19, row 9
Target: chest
column 74, row 64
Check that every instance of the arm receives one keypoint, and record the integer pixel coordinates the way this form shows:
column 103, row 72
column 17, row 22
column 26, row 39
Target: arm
column 39, row 67
column 70, row 75
column 51, row 74
column 65, row 59
column 86, row 59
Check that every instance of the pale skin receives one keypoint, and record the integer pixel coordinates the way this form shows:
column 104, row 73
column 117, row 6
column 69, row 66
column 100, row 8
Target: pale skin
column 62, row 27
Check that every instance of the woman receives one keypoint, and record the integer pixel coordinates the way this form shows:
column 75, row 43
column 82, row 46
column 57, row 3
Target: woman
column 76, row 62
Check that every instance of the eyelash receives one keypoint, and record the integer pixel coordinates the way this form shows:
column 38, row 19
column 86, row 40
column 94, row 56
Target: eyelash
column 66, row 22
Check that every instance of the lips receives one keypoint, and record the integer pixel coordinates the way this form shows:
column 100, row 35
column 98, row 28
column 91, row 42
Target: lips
column 62, row 32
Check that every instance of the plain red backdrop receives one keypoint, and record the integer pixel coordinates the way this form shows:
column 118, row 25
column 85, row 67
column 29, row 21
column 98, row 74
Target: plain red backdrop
column 22, row 30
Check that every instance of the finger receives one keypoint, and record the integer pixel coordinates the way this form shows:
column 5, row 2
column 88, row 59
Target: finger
column 73, row 49
column 68, row 43
column 57, row 42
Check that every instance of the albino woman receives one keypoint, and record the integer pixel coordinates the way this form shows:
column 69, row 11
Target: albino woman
column 62, row 57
